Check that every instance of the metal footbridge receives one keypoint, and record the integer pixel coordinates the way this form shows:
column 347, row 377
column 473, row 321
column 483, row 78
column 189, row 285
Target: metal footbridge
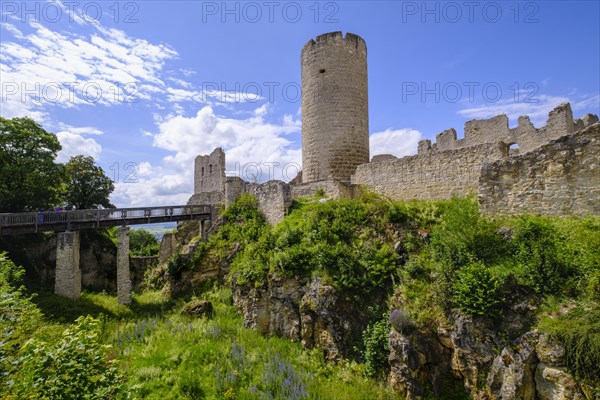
column 75, row 220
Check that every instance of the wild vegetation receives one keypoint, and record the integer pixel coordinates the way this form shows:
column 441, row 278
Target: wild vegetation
column 427, row 258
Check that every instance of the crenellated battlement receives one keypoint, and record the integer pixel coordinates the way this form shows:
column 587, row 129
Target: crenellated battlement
column 337, row 38
column 495, row 130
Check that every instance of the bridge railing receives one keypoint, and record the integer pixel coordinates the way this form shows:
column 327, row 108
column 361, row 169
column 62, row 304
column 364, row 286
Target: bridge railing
column 98, row 215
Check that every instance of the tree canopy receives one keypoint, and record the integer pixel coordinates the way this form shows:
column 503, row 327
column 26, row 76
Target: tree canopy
column 29, row 177
column 86, row 184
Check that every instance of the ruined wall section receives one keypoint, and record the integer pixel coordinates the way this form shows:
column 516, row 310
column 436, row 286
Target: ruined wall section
column 335, row 115
column 209, row 172
column 333, row 189
column 433, row 175
column 559, row 178
column 494, row 130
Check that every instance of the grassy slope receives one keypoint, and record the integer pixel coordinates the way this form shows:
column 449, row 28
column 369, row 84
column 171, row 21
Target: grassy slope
column 551, row 261
column 164, row 355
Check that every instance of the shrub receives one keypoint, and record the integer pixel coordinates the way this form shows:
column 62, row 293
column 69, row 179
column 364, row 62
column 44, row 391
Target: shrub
column 464, row 236
column 177, row 263
column 477, row 291
column 76, row 366
column 19, row 317
column 143, row 243
column 376, row 349
column 537, row 253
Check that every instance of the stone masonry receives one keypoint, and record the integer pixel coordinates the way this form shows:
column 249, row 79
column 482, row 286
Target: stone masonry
column 123, row 275
column 548, row 170
column 452, row 166
column 558, row 178
column 68, row 274
column 209, row 172
column 335, row 112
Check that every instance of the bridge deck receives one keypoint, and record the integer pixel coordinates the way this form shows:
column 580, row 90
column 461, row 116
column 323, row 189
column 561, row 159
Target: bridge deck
column 60, row 221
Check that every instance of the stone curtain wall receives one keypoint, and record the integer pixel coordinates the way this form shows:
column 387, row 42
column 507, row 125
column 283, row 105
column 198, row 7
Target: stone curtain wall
column 335, row 114
column 332, row 188
column 436, row 175
column 274, row 198
column 559, row 178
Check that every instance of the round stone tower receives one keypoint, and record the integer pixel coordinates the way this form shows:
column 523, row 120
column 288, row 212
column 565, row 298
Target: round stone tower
column 335, row 109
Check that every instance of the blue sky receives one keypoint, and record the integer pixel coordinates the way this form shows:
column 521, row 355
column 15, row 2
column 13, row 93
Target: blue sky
column 145, row 86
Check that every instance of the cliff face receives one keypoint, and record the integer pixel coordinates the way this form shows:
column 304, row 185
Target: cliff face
column 98, row 261
column 531, row 367
column 301, row 309
column 467, row 357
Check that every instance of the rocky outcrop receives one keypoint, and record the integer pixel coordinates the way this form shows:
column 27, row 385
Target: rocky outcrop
column 417, row 361
column 529, row 368
column 301, row 309
column 511, row 373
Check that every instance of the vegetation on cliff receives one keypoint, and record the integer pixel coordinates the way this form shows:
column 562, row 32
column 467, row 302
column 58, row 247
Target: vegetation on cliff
column 419, row 260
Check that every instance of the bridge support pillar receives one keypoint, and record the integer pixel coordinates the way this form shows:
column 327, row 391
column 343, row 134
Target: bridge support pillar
column 68, row 275
column 203, row 228
column 123, row 276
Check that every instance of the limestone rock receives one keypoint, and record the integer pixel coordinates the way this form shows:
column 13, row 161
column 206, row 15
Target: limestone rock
column 473, row 344
column 320, row 325
column 511, row 376
column 271, row 309
column 198, row 308
column 550, row 352
column 553, row 383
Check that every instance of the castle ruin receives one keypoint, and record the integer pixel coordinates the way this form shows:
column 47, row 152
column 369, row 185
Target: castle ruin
column 555, row 170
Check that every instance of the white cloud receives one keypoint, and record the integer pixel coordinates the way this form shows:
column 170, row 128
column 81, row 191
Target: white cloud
column 74, row 144
column 253, row 145
column 46, row 68
column 537, row 111
column 400, row 142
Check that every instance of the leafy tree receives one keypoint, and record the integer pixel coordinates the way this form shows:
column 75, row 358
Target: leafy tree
column 143, row 243
column 29, row 177
column 87, row 186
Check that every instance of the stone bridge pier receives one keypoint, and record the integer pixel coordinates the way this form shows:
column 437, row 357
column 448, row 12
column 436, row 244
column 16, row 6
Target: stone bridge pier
column 68, row 274
column 123, row 276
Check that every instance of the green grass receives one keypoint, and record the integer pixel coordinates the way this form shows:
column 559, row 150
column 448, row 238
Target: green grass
column 161, row 354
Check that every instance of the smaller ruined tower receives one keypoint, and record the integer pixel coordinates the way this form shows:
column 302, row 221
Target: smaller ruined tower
column 335, row 112
column 209, row 172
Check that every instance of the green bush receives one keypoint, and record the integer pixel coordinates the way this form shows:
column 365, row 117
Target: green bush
column 346, row 240
column 538, row 248
column 143, row 243
column 477, row 291
column 579, row 333
column 376, row 349
column 78, row 365
column 19, row 317
column 177, row 263
column 464, row 236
